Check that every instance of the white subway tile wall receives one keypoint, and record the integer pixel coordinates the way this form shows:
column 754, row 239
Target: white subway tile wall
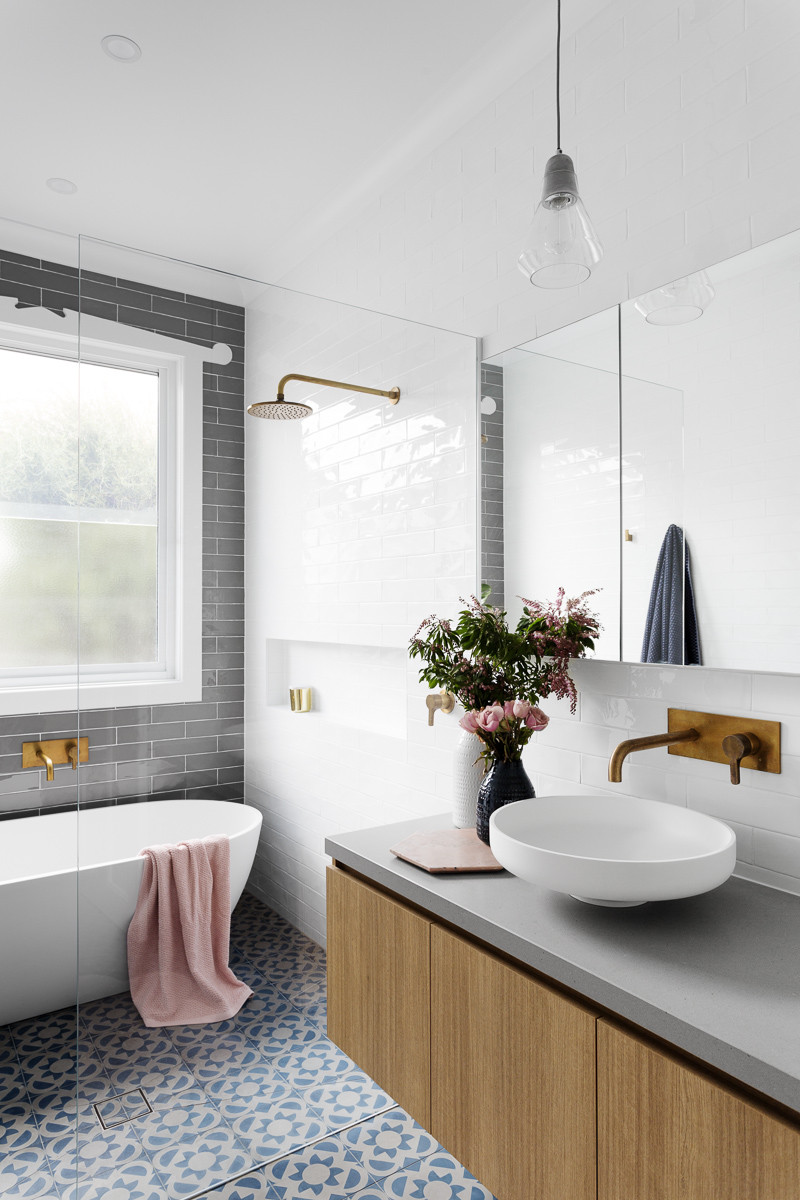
column 618, row 701
column 361, row 520
column 674, row 111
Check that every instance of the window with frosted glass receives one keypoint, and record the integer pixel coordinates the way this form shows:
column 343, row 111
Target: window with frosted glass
column 79, row 555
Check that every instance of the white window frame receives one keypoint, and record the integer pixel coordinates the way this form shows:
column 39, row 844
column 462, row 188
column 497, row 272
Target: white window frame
column 179, row 364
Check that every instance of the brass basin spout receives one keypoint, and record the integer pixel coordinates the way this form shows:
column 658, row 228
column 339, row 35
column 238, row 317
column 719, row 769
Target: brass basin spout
column 645, row 743
column 48, row 762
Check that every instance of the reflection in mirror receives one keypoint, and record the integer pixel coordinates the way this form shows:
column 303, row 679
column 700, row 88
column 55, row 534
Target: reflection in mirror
column 711, row 435
column 551, row 492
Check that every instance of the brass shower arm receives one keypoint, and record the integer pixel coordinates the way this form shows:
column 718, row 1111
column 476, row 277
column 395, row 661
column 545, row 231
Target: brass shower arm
column 393, row 395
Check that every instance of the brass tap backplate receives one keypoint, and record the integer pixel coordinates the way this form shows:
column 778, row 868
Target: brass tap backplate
column 57, row 750
column 713, row 728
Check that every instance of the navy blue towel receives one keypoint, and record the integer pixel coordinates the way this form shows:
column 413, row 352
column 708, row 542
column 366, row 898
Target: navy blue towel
column 670, row 631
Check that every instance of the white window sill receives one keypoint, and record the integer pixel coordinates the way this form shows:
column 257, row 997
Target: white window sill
column 125, row 693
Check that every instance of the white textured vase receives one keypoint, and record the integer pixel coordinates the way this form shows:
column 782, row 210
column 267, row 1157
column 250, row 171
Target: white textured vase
column 467, row 779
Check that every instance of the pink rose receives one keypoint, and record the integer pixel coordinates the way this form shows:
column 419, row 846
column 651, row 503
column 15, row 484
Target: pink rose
column 490, row 718
column 521, row 709
column 469, row 721
column 508, row 709
column 537, row 720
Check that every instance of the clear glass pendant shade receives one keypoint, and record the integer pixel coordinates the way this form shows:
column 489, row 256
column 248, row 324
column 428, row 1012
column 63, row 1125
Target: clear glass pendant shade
column 678, row 302
column 561, row 247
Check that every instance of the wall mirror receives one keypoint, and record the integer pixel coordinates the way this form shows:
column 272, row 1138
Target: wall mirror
column 652, row 451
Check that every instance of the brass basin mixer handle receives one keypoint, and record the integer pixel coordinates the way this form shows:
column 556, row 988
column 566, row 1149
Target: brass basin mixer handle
column 737, row 746
column 444, row 700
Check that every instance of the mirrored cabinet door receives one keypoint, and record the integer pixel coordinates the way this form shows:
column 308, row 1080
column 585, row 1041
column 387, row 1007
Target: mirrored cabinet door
column 651, row 451
column 729, row 379
column 560, row 469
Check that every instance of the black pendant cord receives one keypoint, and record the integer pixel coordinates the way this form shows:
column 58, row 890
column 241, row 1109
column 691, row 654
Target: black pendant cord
column 558, row 81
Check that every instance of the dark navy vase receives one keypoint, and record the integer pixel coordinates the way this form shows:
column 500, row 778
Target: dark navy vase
column 505, row 783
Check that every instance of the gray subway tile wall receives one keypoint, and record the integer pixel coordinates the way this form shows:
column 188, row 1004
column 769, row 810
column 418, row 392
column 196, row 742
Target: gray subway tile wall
column 492, row 562
column 171, row 751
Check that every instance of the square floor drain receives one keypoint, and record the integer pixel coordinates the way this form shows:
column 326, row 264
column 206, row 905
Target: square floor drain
column 120, row 1109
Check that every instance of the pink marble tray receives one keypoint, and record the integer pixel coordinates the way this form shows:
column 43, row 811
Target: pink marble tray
column 444, row 850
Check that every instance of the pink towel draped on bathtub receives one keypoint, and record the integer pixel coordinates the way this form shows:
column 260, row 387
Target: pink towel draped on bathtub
column 178, row 939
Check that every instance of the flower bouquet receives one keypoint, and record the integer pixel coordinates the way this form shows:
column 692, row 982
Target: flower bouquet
column 500, row 674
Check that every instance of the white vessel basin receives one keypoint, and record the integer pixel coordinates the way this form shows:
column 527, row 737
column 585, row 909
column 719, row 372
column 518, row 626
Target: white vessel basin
column 613, row 850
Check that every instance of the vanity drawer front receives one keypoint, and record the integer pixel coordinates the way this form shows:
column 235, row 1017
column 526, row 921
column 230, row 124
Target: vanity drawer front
column 379, row 989
column 669, row 1132
column 512, row 1075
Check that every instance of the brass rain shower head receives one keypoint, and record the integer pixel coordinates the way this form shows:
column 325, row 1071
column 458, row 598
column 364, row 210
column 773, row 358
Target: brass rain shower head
column 282, row 410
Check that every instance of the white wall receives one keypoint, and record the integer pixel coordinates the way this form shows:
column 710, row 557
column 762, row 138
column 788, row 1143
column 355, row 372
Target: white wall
column 361, row 520
column 676, row 113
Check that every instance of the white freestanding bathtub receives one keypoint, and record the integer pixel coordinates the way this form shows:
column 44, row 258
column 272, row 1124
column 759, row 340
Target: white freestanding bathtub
column 68, row 889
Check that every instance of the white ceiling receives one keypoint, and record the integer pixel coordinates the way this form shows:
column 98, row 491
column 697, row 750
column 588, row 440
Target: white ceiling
column 249, row 129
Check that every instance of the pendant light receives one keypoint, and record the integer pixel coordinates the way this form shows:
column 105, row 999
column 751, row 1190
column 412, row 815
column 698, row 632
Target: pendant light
column 561, row 247
column 678, row 302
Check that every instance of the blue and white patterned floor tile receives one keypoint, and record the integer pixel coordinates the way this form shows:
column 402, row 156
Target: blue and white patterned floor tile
column 352, row 1098
column 250, row 1187
column 25, row 1173
column 185, row 1036
column 265, row 1086
column 137, row 1181
column 54, row 1069
column 161, row 1077
column 37, row 1032
column 438, row 1177
column 19, row 1128
column 288, row 1125
column 258, row 1014
column 183, row 1122
column 287, row 1033
column 210, row 1158
column 39, row 1185
column 92, row 1153
column 317, row 1064
column 12, row 1083
column 254, row 1090
column 58, row 1110
column 110, row 1014
column 243, row 969
column 389, row 1143
column 117, row 1048
column 8, row 1051
column 230, row 1054
column 314, row 1010
column 321, row 1172
column 303, row 987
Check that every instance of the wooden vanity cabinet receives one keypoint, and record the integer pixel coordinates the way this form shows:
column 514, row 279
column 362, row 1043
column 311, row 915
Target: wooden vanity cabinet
column 512, row 1075
column 667, row 1131
column 379, row 989
column 497, row 1066
column 541, row 1097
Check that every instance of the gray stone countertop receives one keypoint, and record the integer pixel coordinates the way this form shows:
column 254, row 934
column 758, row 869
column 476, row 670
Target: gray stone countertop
column 717, row 975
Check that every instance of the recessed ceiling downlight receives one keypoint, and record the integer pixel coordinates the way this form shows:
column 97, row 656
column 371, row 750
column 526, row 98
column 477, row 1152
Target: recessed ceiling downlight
column 120, row 48
column 64, row 187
